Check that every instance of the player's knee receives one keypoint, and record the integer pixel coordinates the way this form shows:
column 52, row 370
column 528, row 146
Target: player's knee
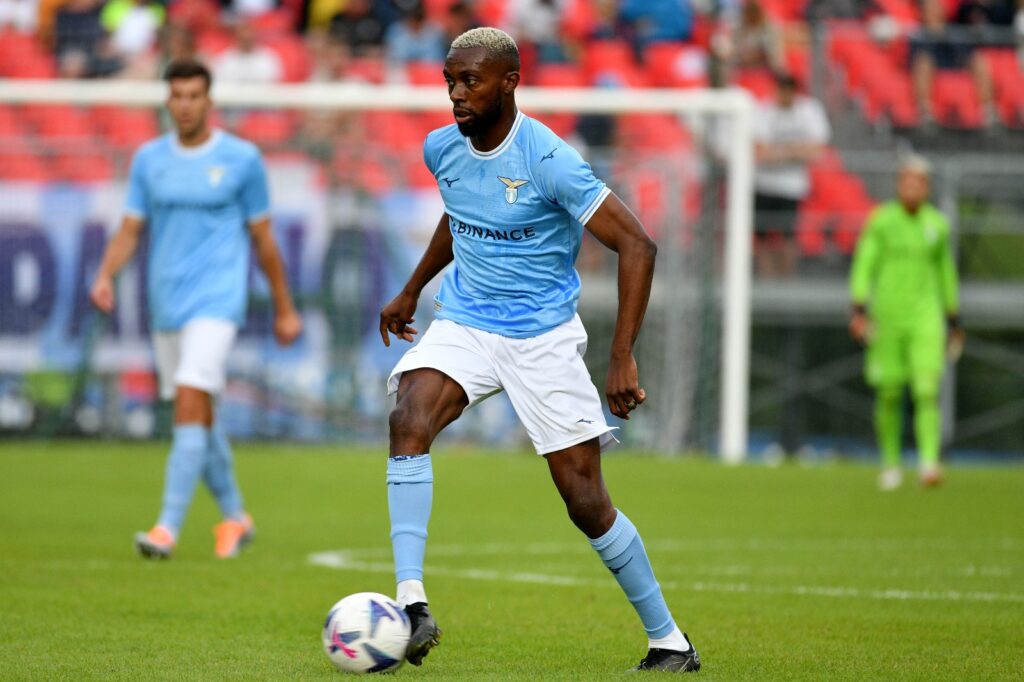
column 590, row 511
column 925, row 389
column 409, row 424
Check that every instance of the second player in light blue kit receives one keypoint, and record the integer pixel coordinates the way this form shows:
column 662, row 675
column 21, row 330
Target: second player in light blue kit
column 202, row 196
column 517, row 199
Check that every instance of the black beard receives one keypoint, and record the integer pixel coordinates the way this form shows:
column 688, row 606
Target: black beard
column 484, row 122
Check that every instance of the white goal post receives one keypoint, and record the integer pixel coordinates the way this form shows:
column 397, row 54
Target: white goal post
column 734, row 104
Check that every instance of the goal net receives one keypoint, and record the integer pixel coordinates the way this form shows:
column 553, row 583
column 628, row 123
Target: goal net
column 353, row 208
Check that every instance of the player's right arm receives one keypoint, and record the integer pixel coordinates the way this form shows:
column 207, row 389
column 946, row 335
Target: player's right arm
column 862, row 273
column 118, row 252
column 397, row 315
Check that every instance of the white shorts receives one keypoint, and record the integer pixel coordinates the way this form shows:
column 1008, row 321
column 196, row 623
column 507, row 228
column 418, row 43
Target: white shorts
column 545, row 378
column 195, row 355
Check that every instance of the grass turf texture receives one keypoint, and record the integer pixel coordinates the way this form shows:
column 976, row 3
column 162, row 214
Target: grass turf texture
column 789, row 573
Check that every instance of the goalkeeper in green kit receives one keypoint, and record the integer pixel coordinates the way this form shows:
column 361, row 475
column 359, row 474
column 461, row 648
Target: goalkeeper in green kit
column 904, row 289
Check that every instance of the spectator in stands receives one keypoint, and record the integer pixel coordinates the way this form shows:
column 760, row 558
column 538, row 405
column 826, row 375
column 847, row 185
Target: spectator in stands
column 413, row 38
column 360, row 27
column 81, row 45
column 940, row 46
column 176, row 43
column 790, row 133
column 133, row 25
column 536, row 25
column 247, row 61
column 459, row 19
column 754, row 42
column 652, row 21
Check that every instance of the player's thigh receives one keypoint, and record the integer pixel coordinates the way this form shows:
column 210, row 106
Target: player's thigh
column 205, row 343
column 927, row 359
column 458, row 352
column 551, row 390
column 427, row 396
column 886, row 362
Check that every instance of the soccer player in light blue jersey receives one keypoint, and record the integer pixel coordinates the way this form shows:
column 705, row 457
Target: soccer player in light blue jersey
column 202, row 195
column 517, row 199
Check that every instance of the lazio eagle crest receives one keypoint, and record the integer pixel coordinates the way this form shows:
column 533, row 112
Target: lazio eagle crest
column 512, row 188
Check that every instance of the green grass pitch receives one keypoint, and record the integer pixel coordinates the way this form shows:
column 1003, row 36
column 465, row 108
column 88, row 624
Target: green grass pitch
column 787, row 573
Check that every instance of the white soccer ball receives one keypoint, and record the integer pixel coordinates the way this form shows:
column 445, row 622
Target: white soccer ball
column 366, row 633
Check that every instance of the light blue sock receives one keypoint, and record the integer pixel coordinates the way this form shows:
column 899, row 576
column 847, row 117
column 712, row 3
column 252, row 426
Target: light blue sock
column 184, row 466
column 410, row 493
column 622, row 551
column 219, row 475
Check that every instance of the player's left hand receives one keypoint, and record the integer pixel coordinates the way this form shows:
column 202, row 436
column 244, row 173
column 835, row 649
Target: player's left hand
column 954, row 342
column 623, row 386
column 287, row 326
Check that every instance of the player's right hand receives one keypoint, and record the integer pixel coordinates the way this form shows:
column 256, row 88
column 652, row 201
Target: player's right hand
column 396, row 317
column 102, row 293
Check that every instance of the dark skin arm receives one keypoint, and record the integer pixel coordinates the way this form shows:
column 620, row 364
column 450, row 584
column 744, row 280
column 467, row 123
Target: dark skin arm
column 397, row 315
column 615, row 226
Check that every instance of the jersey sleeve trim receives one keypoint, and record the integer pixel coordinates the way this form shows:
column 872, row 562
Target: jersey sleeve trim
column 594, row 205
column 262, row 215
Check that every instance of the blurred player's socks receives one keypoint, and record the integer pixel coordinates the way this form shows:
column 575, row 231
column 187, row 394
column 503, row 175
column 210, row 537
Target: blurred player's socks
column 184, row 466
column 219, row 474
column 410, row 493
column 927, row 429
column 889, row 424
column 622, row 551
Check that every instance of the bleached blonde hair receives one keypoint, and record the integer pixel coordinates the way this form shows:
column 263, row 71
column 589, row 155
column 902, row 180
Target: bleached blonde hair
column 497, row 43
column 915, row 163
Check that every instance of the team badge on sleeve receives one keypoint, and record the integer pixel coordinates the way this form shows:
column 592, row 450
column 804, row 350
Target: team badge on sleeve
column 512, row 188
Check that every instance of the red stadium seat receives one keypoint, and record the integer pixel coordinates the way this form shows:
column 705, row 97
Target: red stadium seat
column 296, row 61
column 758, row 82
column 1008, row 79
column 125, row 127
column 24, row 56
column 367, row 69
column 88, row 167
column 267, row 128
column 424, row 73
column 392, row 130
column 23, row 166
column 59, row 121
column 676, row 65
column 955, row 99
column 611, row 62
column 10, row 123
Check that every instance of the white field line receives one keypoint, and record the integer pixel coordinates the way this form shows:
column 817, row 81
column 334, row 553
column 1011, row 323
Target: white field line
column 362, row 561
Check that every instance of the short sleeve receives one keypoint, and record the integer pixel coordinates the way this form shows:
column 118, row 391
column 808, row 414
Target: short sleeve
column 568, row 181
column 429, row 155
column 136, row 204
column 255, row 195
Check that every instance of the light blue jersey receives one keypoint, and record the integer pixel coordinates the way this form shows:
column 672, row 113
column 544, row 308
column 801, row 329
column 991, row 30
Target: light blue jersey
column 198, row 203
column 516, row 215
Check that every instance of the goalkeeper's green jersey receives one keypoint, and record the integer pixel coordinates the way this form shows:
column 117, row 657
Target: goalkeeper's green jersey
column 903, row 268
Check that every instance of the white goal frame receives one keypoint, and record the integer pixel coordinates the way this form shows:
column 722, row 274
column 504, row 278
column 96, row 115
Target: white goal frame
column 733, row 103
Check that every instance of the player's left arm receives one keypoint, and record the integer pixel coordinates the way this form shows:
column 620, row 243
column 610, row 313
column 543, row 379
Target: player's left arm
column 615, row 226
column 949, row 283
column 256, row 204
column 287, row 322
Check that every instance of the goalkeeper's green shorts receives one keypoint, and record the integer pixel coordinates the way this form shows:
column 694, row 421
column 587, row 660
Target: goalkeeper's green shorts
column 900, row 355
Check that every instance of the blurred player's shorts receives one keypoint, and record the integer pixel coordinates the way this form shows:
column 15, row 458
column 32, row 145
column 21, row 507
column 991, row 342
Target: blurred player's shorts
column 195, row 355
